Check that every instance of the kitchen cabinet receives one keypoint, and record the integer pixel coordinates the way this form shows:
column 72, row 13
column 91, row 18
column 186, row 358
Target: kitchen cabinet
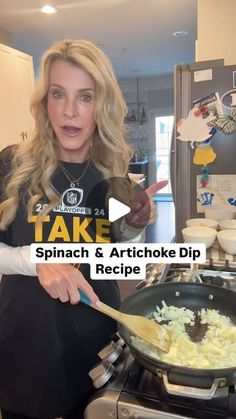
column 16, row 87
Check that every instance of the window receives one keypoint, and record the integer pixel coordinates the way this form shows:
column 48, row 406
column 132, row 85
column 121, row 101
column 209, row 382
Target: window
column 163, row 135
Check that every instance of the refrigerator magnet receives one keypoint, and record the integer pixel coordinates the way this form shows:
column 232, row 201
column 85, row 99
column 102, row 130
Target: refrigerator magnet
column 194, row 128
column 202, row 75
column 225, row 123
column 204, row 154
column 210, row 103
column 228, row 100
column 204, row 177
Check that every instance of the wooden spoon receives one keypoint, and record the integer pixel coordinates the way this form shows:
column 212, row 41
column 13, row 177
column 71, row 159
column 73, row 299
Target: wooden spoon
column 139, row 326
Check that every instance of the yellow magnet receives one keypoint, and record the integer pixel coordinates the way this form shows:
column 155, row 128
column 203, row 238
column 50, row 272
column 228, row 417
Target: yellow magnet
column 204, row 155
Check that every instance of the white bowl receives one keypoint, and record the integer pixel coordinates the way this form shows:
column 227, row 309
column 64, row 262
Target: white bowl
column 227, row 240
column 220, row 212
column 199, row 234
column 203, row 222
column 227, row 225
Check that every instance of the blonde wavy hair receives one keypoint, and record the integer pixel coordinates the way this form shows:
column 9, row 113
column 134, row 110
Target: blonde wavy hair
column 35, row 161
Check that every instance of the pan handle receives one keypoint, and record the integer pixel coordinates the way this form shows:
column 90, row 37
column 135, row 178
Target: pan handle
column 194, row 392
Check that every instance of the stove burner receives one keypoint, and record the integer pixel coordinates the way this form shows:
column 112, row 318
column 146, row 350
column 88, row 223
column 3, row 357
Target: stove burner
column 213, row 280
column 177, row 273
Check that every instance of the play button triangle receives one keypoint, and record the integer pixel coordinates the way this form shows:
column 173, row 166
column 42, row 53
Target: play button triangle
column 116, row 209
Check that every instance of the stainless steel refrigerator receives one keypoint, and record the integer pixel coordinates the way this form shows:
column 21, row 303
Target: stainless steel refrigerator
column 187, row 88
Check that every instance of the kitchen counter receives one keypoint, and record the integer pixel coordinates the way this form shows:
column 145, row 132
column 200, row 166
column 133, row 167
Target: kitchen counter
column 140, row 166
column 139, row 162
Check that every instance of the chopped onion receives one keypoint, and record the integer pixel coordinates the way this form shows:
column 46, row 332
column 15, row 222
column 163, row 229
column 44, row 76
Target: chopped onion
column 216, row 350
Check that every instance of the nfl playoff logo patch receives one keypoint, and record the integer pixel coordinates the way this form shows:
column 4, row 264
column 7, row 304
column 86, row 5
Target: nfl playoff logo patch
column 72, row 197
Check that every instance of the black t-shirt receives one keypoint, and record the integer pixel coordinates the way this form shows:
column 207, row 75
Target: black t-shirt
column 48, row 347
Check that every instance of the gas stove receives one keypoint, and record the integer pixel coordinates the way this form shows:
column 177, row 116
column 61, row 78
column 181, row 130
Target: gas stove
column 208, row 275
column 215, row 272
column 125, row 389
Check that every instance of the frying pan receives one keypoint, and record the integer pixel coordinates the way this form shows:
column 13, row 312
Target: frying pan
column 179, row 380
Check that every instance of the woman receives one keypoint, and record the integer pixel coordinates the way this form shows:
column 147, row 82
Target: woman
column 48, row 342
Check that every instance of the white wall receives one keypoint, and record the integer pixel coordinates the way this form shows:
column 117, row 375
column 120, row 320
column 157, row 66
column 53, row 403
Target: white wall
column 216, row 30
column 5, row 37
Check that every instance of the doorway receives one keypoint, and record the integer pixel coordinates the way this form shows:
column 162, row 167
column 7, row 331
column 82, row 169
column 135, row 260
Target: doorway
column 161, row 122
column 163, row 135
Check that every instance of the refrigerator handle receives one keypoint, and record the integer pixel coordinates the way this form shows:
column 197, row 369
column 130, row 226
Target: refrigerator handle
column 180, row 151
column 172, row 163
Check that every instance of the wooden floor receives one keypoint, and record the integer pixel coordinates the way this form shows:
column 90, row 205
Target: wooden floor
column 163, row 231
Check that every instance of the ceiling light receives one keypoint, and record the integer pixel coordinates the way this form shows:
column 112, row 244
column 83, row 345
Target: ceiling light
column 180, row 33
column 49, row 10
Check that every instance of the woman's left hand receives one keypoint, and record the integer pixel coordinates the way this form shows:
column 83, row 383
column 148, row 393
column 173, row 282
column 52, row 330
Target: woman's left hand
column 143, row 209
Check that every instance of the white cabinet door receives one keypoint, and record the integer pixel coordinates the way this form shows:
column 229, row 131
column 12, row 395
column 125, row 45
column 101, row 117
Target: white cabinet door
column 7, row 85
column 16, row 88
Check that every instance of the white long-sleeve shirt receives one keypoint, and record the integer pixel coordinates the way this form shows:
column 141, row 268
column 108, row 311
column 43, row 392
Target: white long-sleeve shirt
column 16, row 260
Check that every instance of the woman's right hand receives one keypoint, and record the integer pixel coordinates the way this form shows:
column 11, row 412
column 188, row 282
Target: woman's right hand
column 63, row 281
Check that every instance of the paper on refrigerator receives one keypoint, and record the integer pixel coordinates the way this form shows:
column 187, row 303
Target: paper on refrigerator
column 221, row 190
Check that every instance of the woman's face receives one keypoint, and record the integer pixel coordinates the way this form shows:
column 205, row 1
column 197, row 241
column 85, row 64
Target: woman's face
column 70, row 105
